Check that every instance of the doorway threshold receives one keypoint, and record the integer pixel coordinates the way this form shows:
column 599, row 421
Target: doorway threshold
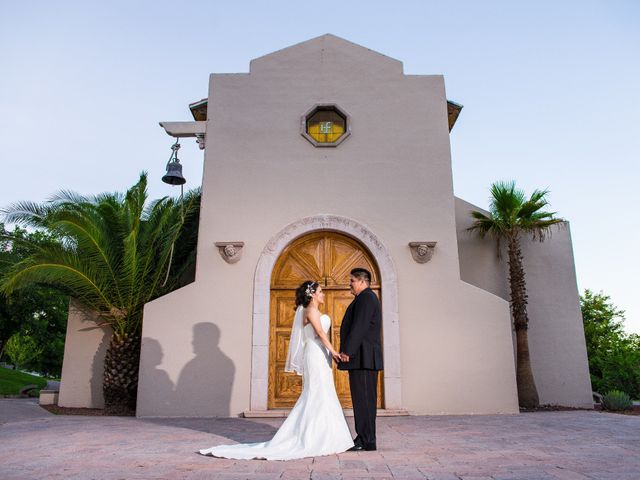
column 348, row 412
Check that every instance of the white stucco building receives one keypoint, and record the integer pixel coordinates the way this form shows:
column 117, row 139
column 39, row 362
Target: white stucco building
column 326, row 156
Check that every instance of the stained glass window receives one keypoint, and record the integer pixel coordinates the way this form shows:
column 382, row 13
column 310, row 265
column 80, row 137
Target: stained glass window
column 326, row 125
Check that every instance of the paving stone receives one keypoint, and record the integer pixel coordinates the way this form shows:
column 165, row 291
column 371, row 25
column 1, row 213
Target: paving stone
column 572, row 445
column 441, row 476
column 326, row 476
column 524, row 476
column 382, row 468
column 566, row 474
column 405, row 471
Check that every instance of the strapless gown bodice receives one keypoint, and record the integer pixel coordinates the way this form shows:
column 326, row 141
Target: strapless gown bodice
column 310, row 333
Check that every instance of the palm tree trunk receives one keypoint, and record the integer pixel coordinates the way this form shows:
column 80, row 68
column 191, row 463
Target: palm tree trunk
column 527, row 391
column 121, row 364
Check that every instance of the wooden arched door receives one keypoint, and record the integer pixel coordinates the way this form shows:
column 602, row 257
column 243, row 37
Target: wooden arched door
column 328, row 258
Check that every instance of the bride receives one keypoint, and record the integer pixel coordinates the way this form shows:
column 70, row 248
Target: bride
column 316, row 424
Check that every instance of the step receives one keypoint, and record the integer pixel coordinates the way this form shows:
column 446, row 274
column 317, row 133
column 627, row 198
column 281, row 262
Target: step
column 348, row 412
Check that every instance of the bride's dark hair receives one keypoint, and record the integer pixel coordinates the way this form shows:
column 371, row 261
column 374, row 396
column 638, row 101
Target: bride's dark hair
column 304, row 292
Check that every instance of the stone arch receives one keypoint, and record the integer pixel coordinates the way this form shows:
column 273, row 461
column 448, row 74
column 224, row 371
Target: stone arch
column 261, row 298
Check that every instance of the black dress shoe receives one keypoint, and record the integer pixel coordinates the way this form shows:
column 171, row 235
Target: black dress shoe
column 359, row 448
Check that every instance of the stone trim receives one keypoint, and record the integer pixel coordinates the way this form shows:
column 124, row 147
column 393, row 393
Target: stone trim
column 261, row 299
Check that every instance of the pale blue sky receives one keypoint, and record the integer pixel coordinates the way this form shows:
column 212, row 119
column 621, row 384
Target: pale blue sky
column 551, row 94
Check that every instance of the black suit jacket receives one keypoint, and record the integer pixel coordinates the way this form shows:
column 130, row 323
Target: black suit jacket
column 360, row 333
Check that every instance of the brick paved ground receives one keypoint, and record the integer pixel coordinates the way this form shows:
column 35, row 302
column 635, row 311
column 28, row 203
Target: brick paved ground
column 570, row 445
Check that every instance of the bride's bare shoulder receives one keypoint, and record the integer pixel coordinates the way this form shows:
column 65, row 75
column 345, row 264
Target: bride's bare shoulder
column 310, row 313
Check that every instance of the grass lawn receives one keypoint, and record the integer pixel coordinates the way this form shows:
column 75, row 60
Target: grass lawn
column 11, row 381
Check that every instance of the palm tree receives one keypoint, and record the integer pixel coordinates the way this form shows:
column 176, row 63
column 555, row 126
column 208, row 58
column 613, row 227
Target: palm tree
column 114, row 255
column 511, row 216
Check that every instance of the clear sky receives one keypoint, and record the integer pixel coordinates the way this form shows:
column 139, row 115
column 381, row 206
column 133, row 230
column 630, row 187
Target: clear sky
column 551, row 95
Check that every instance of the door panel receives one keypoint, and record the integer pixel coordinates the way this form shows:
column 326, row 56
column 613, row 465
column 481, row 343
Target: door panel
column 284, row 388
column 327, row 258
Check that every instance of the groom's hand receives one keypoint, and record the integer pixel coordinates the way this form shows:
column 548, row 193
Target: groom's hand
column 344, row 357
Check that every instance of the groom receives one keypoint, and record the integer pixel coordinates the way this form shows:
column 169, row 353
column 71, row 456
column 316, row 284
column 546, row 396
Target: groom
column 361, row 354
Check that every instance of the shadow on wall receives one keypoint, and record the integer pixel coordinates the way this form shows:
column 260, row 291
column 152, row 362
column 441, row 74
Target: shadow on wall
column 91, row 327
column 204, row 385
column 97, row 373
column 162, row 385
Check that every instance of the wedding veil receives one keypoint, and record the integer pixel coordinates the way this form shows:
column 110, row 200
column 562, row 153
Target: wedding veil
column 295, row 356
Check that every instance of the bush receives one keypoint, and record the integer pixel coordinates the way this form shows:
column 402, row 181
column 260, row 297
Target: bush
column 615, row 400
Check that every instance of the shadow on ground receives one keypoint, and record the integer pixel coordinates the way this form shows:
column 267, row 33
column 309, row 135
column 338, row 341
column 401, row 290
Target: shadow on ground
column 239, row 430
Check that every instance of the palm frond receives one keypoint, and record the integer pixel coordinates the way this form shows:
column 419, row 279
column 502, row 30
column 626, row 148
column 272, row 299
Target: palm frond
column 27, row 214
column 167, row 241
column 512, row 214
column 63, row 272
column 88, row 239
column 544, row 229
column 506, row 201
column 111, row 251
column 67, row 196
column 483, row 224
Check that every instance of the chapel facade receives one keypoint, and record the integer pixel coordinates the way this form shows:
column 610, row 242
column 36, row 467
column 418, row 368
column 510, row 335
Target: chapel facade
column 325, row 157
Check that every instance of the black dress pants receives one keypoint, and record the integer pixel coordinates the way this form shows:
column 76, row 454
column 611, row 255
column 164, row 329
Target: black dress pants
column 364, row 396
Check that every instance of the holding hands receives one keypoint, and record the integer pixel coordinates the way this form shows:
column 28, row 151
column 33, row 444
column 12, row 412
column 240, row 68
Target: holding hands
column 340, row 357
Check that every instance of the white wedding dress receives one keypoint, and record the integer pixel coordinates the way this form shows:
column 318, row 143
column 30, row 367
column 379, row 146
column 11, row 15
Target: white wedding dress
column 316, row 424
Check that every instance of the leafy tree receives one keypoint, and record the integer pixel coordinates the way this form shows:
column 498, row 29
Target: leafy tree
column 21, row 348
column 512, row 216
column 37, row 311
column 614, row 356
column 115, row 253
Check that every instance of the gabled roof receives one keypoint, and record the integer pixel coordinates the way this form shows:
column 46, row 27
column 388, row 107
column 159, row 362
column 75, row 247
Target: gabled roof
column 322, row 45
column 322, row 48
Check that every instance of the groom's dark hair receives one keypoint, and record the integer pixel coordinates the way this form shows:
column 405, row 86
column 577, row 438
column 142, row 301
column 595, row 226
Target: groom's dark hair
column 362, row 274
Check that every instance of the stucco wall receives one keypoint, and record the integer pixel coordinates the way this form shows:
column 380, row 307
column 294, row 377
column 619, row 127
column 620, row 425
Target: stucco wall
column 556, row 335
column 393, row 174
column 83, row 367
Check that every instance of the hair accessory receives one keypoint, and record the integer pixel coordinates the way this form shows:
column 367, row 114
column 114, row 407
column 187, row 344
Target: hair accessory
column 309, row 290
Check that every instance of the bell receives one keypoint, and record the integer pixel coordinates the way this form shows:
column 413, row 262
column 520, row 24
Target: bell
column 174, row 174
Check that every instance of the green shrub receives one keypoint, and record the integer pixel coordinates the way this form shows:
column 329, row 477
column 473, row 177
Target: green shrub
column 615, row 400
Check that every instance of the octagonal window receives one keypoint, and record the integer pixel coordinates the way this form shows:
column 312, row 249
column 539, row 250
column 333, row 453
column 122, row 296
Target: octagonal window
column 325, row 126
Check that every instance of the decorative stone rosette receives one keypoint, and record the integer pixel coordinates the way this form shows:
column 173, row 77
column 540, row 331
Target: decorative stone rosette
column 230, row 251
column 422, row 251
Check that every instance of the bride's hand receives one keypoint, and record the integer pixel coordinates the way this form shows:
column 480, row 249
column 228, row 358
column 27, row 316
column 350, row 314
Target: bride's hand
column 336, row 356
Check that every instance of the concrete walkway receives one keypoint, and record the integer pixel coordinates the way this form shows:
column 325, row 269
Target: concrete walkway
column 20, row 409
column 574, row 445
